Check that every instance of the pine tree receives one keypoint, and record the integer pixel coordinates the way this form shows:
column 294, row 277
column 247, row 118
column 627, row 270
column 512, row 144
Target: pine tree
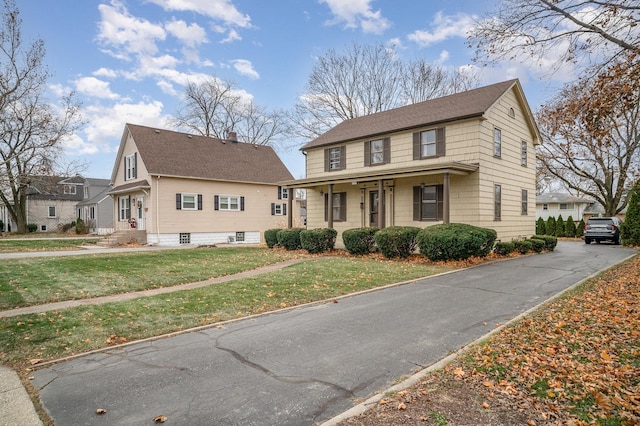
column 551, row 226
column 560, row 227
column 570, row 227
column 541, row 227
column 580, row 229
column 630, row 229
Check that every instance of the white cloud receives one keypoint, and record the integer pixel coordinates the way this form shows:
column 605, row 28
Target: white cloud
column 124, row 34
column 245, row 67
column 233, row 36
column 91, row 86
column 444, row 27
column 219, row 10
column 357, row 13
column 105, row 72
column 190, row 35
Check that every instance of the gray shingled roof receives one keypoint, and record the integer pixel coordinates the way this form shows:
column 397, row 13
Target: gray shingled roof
column 560, row 197
column 169, row 153
column 472, row 103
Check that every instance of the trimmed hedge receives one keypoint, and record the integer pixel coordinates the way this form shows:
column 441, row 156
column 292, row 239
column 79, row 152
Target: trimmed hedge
column 360, row 241
column 504, row 248
column 550, row 242
column 318, row 240
column 523, row 246
column 397, row 241
column 271, row 237
column 455, row 241
column 537, row 245
column 290, row 238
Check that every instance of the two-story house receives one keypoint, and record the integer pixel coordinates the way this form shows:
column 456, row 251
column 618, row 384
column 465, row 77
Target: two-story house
column 179, row 188
column 96, row 209
column 467, row 158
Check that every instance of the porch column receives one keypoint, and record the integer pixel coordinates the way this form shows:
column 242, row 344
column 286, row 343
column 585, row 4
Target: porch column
column 290, row 192
column 330, row 206
column 381, row 204
column 445, row 201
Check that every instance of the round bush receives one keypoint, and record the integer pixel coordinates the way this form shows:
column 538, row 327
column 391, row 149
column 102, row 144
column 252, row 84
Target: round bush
column 455, row 241
column 359, row 241
column 523, row 246
column 290, row 238
column 397, row 241
column 537, row 245
column 271, row 237
column 550, row 242
column 504, row 248
column 318, row 240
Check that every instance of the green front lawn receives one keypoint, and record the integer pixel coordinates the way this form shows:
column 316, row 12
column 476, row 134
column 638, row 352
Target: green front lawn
column 28, row 245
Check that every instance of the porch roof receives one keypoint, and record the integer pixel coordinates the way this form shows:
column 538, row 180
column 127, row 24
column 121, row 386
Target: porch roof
column 454, row 167
column 130, row 187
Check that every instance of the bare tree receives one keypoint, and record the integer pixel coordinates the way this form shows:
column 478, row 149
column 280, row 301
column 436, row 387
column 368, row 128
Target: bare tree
column 216, row 107
column 31, row 130
column 591, row 136
column 591, row 32
column 364, row 80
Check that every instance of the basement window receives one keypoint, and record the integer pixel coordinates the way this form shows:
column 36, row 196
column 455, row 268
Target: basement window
column 185, row 238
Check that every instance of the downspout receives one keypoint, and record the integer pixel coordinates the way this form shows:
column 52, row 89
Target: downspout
column 158, row 208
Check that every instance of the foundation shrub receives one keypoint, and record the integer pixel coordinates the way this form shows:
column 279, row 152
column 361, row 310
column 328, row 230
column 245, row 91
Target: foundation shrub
column 290, row 238
column 504, row 248
column 360, row 241
column 455, row 241
column 271, row 237
column 318, row 240
column 397, row 241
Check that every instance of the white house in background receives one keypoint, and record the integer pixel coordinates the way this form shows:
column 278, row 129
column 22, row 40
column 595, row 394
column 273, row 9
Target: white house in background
column 555, row 204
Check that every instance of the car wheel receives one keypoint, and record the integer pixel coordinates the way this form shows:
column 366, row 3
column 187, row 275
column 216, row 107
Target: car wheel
column 616, row 240
column 587, row 241
column 597, row 241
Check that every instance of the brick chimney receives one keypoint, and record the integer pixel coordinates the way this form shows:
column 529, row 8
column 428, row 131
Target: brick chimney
column 232, row 136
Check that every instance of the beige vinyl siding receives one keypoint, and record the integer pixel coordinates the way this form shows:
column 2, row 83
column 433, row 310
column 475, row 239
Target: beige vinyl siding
column 142, row 174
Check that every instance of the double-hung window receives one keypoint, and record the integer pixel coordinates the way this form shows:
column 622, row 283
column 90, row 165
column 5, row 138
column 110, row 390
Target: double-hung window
column 130, row 166
column 278, row 209
column 523, row 154
column 429, row 143
column 497, row 143
column 69, row 189
column 525, row 202
column 339, row 206
column 188, row 201
column 428, row 202
column 231, row 203
column 52, row 211
column 335, row 158
column 497, row 202
column 377, row 151
column 124, row 204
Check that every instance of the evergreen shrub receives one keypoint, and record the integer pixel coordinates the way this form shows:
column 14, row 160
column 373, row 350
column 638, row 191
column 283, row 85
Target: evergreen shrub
column 455, row 241
column 318, row 240
column 271, row 237
column 504, row 248
column 397, row 241
column 290, row 238
column 359, row 241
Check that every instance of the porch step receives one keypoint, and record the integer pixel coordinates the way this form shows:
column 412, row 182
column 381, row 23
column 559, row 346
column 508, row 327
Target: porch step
column 124, row 237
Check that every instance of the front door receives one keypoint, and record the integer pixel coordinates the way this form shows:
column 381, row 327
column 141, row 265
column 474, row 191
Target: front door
column 373, row 208
column 139, row 209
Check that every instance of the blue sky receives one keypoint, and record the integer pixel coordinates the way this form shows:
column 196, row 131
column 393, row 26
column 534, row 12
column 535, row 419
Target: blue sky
column 128, row 60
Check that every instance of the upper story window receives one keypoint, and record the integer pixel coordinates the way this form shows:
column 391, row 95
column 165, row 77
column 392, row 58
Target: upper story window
column 283, row 193
column 525, row 202
column 566, row 206
column 86, row 192
column 497, row 143
column 278, row 209
column 130, row 166
column 377, row 151
column 70, row 189
column 523, row 154
column 429, row 143
column 545, row 207
column 335, row 158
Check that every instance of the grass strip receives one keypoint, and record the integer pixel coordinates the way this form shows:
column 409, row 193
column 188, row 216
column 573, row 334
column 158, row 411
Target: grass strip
column 26, row 245
column 61, row 333
column 27, row 282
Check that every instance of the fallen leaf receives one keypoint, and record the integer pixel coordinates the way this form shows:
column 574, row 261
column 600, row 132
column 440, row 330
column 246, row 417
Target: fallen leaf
column 402, row 406
column 35, row 361
column 604, row 355
column 486, row 405
column 458, row 372
column 101, row 411
column 160, row 419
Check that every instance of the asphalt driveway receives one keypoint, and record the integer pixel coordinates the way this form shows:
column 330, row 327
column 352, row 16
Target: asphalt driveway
column 305, row 365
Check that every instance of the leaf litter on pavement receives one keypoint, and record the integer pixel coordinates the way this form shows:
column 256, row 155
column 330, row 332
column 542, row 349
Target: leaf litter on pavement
column 575, row 361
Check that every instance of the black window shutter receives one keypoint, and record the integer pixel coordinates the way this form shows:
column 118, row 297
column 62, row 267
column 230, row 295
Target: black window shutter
column 216, row 202
column 367, row 153
column 386, row 153
column 129, row 211
column 199, row 201
column 273, row 209
column 135, row 165
column 440, row 142
column 178, row 201
column 326, row 160
column 440, row 195
column 284, row 209
column 416, row 203
column 279, row 193
column 343, row 206
column 326, row 204
column 241, row 204
column 416, row 146
column 343, row 157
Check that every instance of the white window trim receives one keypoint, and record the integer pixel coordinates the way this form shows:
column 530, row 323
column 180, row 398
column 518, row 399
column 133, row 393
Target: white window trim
column 380, row 152
column 497, row 143
column 228, row 203
column 277, row 209
column 195, row 201
column 130, row 165
column 425, row 144
column 69, row 189
column 55, row 211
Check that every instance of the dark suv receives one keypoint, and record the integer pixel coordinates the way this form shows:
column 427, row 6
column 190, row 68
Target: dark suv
column 602, row 229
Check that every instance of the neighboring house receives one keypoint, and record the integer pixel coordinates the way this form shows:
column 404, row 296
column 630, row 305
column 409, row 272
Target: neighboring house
column 556, row 204
column 468, row 158
column 96, row 210
column 53, row 201
column 187, row 189
column 596, row 209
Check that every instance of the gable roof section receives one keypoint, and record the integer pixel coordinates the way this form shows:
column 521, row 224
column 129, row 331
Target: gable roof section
column 459, row 106
column 560, row 197
column 169, row 153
